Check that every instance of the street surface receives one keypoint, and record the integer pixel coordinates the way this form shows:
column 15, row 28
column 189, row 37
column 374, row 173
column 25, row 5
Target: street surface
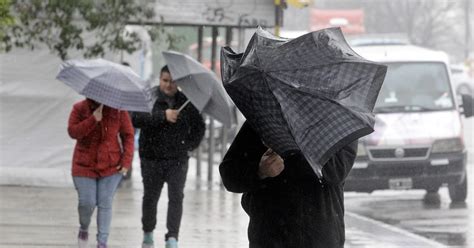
column 47, row 217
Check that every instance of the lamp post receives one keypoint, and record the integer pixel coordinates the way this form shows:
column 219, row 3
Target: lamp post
column 278, row 16
column 281, row 4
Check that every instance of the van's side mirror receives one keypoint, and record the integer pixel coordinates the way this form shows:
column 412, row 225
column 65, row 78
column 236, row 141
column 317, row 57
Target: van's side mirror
column 467, row 105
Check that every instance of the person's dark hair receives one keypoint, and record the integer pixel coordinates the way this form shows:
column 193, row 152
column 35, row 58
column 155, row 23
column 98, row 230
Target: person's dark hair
column 164, row 69
column 125, row 63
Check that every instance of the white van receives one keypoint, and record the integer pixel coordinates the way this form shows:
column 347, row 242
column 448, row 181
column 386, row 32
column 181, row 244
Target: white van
column 418, row 139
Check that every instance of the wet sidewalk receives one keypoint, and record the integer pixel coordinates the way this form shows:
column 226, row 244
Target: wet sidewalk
column 213, row 218
column 46, row 217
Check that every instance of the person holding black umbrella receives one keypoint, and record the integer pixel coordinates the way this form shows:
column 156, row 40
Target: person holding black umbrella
column 288, row 206
column 306, row 101
column 167, row 135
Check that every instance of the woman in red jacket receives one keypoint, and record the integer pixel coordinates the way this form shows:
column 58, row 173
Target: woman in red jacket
column 103, row 153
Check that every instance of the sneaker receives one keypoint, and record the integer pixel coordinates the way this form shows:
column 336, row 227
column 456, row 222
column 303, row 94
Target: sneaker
column 148, row 245
column 82, row 239
column 171, row 243
column 148, row 240
column 100, row 245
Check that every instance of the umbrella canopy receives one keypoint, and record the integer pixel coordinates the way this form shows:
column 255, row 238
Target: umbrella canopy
column 106, row 82
column 200, row 85
column 313, row 93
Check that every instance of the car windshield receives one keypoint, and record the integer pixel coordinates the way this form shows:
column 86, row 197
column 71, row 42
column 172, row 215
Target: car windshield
column 415, row 87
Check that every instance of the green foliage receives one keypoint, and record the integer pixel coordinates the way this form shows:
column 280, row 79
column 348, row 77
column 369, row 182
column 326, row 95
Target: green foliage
column 62, row 25
column 170, row 39
column 6, row 20
column 5, row 17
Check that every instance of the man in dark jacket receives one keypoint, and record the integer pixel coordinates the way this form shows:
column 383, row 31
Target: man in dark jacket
column 166, row 137
column 288, row 206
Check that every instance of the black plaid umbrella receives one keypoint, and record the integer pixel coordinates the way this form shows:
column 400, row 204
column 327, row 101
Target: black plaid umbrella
column 312, row 93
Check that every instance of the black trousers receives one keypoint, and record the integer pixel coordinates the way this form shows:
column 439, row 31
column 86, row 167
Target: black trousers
column 155, row 173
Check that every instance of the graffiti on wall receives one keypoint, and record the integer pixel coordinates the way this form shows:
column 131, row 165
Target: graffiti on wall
column 243, row 13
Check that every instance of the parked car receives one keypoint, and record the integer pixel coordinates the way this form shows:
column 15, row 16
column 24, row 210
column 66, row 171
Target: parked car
column 418, row 138
column 462, row 82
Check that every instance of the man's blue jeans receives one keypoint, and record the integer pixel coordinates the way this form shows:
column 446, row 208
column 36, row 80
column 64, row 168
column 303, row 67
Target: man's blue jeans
column 98, row 192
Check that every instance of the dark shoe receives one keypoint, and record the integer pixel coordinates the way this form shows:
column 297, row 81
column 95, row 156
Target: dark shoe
column 100, row 245
column 83, row 239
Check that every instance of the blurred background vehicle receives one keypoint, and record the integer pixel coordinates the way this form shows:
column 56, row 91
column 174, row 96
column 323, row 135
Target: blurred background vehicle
column 418, row 139
column 377, row 40
column 462, row 82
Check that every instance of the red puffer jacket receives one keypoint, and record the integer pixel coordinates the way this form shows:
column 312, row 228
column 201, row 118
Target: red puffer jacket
column 98, row 151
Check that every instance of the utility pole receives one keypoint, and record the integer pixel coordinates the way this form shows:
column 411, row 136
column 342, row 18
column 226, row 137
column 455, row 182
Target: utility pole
column 199, row 58
column 278, row 16
column 211, row 120
column 282, row 4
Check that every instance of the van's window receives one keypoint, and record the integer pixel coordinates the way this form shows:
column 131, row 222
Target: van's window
column 414, row 87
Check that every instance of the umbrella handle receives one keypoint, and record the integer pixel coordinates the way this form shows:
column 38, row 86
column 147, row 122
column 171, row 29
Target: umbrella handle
column 182, row 106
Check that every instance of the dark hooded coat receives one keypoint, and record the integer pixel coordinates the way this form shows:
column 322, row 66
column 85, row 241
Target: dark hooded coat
column 294, row 209
column 160, row 139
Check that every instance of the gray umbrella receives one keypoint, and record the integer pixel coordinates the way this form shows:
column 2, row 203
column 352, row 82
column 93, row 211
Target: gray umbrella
column 106, row 82
column 200, row 85
column 312, row 94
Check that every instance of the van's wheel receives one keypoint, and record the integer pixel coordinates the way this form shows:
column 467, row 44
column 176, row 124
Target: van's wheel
column 458, row 192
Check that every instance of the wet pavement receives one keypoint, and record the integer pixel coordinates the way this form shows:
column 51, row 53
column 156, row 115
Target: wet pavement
column 432, row 216
column 47, row 217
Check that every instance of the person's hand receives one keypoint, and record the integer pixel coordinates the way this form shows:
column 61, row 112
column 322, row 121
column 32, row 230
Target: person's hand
column 122, row 170
column 98, row 113
column 271, row 165
column 172, row 115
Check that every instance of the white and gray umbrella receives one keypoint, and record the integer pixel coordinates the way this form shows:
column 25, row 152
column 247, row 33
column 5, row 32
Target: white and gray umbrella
column 109, row 83
column 200, row 85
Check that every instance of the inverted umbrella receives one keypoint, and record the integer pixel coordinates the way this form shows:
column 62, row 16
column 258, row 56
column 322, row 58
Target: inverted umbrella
column 313, row 93
column 112, row 84
column 200, row 85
